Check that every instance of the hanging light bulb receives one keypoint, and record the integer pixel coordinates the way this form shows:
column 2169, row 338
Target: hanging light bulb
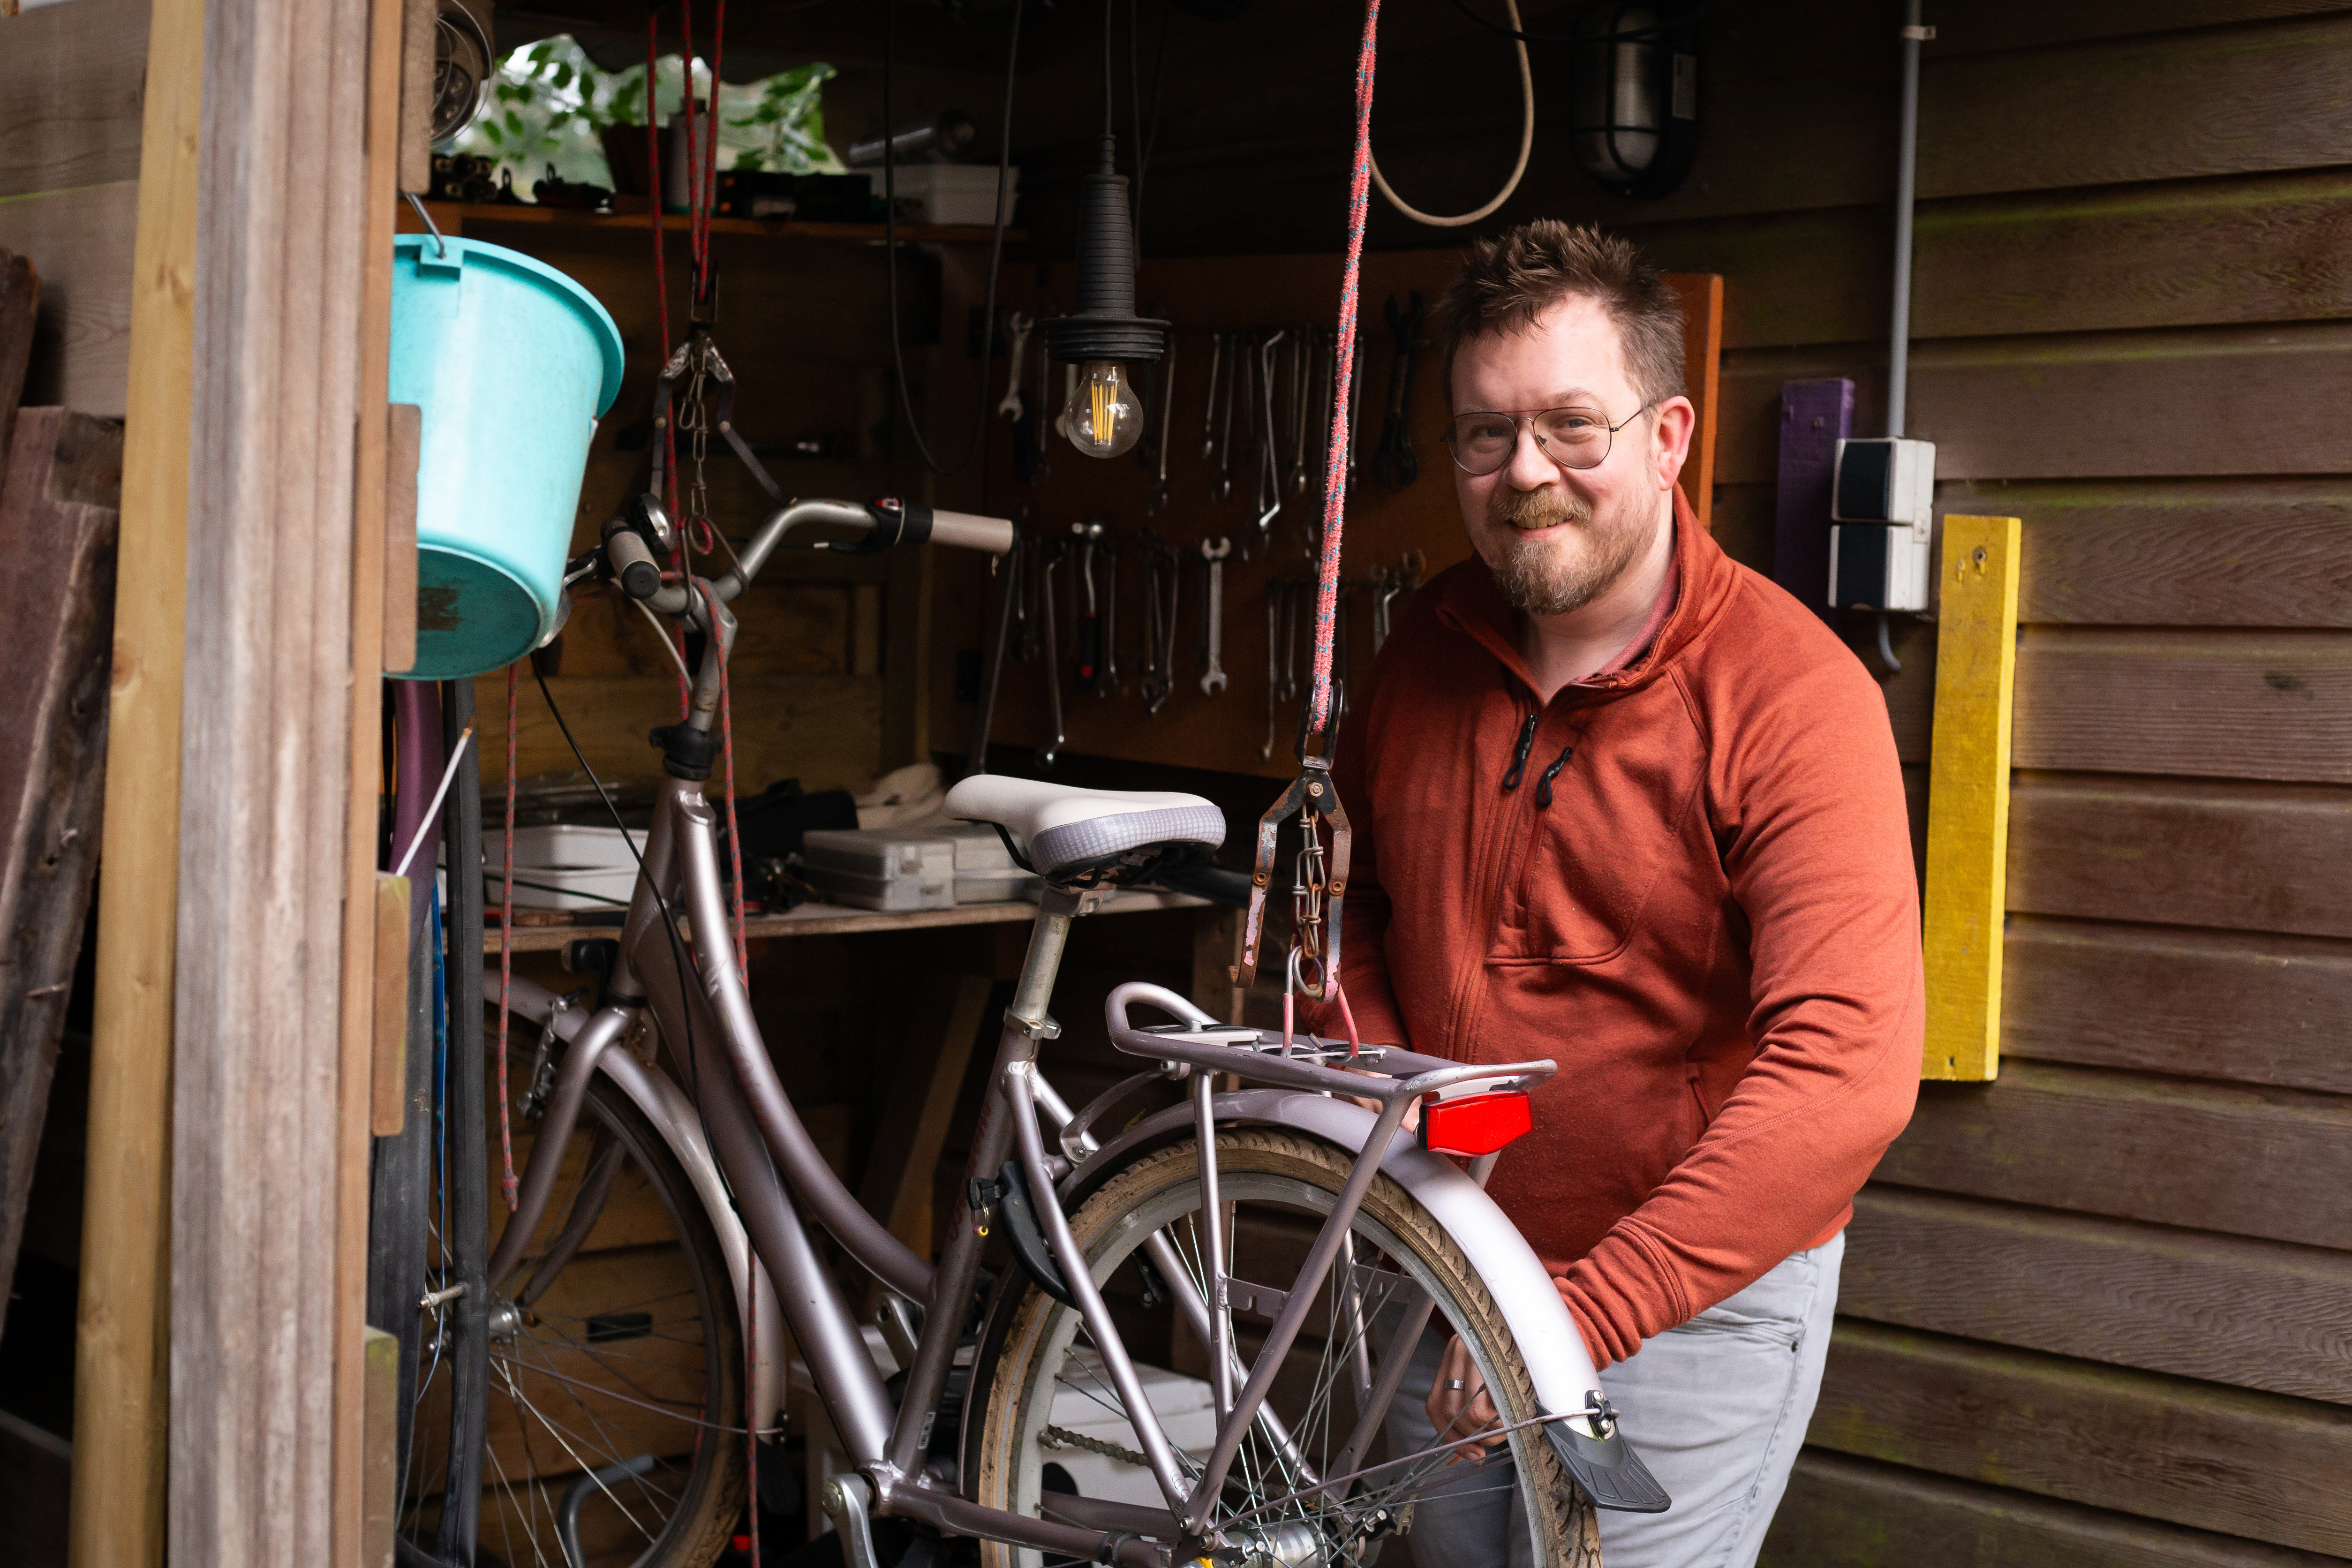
column 1103, row 416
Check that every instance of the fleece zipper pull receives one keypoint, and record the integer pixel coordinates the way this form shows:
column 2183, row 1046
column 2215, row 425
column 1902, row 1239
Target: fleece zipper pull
column 1543, row 784
column 1519, row 757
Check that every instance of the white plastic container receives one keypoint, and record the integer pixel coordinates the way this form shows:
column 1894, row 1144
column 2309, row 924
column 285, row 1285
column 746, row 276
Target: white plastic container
column 562, row 867
column 951, row 192
column 984, row 871
column 881, row 868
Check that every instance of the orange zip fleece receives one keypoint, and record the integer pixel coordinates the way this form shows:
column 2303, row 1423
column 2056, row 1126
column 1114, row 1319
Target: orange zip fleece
column 1689, row 881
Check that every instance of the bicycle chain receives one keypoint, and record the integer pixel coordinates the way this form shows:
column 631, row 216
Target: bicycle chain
column 1063, row 1437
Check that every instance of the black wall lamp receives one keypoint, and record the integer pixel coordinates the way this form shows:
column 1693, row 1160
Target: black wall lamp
column 1633, row 94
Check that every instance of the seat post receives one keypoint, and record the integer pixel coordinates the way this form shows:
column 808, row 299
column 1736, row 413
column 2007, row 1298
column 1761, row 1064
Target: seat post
column 1047, row 939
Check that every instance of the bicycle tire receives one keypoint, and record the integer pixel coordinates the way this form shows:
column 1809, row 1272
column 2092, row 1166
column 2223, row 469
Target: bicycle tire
column 1029, row 1339
column 633, row 1347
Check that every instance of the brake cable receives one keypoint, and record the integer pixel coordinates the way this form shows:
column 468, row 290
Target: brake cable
column 1313, row 966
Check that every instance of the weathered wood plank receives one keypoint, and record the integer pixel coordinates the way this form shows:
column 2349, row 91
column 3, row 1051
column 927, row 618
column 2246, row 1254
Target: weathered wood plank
column 2185, row 552
column 1842, row 1512
column 81, row 241
column 2263, row 1009
column 2192, row 403
column 2245, row 1160
column 2264, row 247
column 2251, row 1314
column 2234, row 857
column 73, row 85
column 2239, row 1463
column 2236, row 704
column 825, row 731
column 58, row 490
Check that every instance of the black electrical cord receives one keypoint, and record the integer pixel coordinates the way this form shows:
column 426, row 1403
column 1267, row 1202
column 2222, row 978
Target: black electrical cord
column 1146, row 131
column 995, row 246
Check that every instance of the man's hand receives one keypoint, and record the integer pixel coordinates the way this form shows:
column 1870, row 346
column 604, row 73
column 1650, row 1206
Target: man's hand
column 1458, row 1402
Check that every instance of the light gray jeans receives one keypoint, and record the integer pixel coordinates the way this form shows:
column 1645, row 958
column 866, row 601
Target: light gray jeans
column 1718, row 1408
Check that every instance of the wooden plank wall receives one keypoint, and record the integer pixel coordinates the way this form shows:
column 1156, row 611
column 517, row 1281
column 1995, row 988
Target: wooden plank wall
column 2095, row 1311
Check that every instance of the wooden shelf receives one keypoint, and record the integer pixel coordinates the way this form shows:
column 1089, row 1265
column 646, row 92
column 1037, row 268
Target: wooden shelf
column 834, row 919
column 453, row 217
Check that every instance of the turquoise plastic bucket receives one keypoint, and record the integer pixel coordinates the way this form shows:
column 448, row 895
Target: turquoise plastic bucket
column 512, row 363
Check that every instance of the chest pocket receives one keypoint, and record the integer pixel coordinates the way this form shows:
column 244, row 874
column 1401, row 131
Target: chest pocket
column 1618, row 826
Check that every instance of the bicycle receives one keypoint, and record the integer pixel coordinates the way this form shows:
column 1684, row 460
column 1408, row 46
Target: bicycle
column 628, row 1402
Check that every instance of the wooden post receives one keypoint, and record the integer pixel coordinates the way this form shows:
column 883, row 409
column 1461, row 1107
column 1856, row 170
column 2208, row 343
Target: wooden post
column 268, row 1416
column 367, row 185
column 1702, row 298
column 120, row 1353
column 1967, row 796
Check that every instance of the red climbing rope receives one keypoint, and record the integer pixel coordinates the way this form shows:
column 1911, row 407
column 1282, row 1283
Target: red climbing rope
column 1335, row 475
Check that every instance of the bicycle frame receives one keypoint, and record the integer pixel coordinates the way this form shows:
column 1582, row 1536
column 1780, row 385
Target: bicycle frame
column 732, row 1118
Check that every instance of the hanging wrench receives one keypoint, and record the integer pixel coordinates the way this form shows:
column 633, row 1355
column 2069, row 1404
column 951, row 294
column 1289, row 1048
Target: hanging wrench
column 1302, row 378
column 1395, row 465
column 1355, row 403
column 1052, row 553
column 1018, row 325
column 1209, row 408
column 1212, row 680
column 1156, row 496
column 1274, row 596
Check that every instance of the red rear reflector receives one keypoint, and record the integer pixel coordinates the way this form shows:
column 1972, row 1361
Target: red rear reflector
column 1476, row 1124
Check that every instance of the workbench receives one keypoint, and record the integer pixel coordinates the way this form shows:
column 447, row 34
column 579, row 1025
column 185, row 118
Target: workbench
column 839, row 919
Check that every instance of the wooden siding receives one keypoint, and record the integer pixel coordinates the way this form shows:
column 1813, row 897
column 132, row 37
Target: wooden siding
column 2093, row 1310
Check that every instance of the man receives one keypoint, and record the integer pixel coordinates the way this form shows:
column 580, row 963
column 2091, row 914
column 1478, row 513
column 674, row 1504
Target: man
column 1622, row 802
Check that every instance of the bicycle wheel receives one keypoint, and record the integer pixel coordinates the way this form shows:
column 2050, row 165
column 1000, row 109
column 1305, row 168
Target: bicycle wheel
column 1049, row 1407
column 616, row 1370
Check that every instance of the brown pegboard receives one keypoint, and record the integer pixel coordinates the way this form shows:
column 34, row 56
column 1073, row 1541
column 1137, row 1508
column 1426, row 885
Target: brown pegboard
column 1228, row 731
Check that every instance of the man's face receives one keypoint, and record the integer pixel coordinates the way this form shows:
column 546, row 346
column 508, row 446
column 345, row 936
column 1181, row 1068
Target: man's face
column 1558, row 537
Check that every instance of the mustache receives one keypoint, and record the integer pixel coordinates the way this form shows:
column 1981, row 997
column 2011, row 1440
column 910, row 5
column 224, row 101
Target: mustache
column 1544, row 508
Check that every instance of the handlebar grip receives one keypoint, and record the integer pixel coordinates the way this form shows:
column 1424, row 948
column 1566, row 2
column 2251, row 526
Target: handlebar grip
column 965, row 531
column 633, row 565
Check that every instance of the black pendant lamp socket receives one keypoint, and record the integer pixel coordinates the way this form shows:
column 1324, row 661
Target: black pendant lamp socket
column 1103, row 416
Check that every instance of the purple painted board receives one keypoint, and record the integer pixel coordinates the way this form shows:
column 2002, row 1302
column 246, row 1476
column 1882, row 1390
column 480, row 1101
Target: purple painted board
column 1815, row 416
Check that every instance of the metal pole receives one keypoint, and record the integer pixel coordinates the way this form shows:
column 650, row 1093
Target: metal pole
column 1906, row 170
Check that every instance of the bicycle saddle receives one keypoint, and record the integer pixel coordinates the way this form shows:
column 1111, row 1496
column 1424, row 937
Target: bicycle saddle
column 1090, row 836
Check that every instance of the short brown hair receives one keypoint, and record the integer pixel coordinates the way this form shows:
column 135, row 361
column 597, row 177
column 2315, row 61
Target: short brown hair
column 1508, row 281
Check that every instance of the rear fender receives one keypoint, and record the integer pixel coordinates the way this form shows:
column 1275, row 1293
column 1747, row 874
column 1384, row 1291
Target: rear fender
column 1550, row 1345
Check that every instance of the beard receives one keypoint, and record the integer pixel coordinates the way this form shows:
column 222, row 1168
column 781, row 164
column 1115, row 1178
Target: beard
column 1579, row 555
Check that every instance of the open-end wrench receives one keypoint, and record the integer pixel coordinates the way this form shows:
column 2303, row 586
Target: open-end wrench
column 1213, row 679
column 1302, row 382
column 1163, row 581
column 1355, row 404
column 1088, row 635
column 1156, row 496
column 1052, row 552
column 1017, row 325
column 1041, row 421
column 1395, row 465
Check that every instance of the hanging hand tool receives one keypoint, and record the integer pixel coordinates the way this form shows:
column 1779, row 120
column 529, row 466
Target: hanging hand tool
column 1273, row 666
column 1388, row 587
column 1395, row 465
column 1208, row 404
column 1033, row 435
column 1213, row 679
column 1052, row 553
column 1221, row 396
column 1302, row 380
column 1269, row 464
column 1088, row 635
column 1156, row 497
column 1163, row 578
column 1018, row 325
column 1108, row 683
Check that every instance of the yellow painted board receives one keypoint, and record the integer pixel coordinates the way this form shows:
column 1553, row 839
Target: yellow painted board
column 1967, row 796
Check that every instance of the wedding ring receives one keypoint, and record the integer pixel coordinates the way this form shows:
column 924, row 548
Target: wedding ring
column 1454, row 1385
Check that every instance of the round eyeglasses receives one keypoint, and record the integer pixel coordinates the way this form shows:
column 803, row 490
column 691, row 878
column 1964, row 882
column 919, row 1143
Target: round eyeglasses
column 1572, row 437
